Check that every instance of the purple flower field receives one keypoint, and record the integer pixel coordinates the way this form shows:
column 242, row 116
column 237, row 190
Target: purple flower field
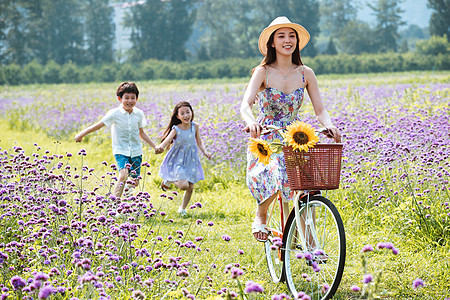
column 64, row 236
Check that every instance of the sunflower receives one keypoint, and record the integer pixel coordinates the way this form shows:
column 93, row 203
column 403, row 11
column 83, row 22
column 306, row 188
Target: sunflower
column 300, row 135
column 260, row 149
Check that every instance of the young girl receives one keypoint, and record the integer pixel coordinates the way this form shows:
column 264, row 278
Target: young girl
column 182, row 164
column 279, row 82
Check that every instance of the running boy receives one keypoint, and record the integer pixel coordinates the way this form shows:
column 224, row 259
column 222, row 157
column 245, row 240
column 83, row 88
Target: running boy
column 127, row 125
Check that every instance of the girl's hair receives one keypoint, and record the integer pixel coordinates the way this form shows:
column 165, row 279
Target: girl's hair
column 127, row 87
column 174, row 119
column 271, row 55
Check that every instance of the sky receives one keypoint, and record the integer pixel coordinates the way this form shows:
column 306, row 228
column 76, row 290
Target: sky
column 416, row 12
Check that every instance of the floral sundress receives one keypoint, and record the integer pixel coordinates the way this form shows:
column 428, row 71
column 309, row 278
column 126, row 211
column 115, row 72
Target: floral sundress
column 278, row 109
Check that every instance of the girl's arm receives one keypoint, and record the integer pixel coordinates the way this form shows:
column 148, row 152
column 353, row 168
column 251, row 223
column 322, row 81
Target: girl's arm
column 199, row 142
column 148, row 140
column 88, row 130
column 167, row 141
column 321, row 112
column 257, row 79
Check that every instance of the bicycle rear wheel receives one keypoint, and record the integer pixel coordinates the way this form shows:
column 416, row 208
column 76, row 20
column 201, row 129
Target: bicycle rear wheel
column 274, row 242
column 314, row 257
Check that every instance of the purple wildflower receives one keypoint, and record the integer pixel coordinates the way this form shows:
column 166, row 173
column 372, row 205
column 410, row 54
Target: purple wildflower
column 417, row 283
column 138, row 295
column 367, row 278
column 253, row 287
column 236, row 272
column 46, row 292
column 183, row 273
column 226, row 237
column 355, row 288
column 41, row 276
column 17, row 282
column 367, row 248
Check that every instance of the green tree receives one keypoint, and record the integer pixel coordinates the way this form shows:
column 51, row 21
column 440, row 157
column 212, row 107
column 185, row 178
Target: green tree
column 305, row 13
column 182, row 16
column 336, row 14
column 434, row 46
column 404, row 46
column 331, row 48
column 3, row 27
column 160, row 29
column 388, row 16
column 356, row 38
column 99, row 31
column 36, row 36
column 440, row 18
column 15, row 51
column 65, row 31
column 235, row 30
column 54, row 30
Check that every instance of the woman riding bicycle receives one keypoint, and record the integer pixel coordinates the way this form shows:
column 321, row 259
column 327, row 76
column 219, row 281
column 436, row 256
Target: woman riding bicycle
column 277, row 86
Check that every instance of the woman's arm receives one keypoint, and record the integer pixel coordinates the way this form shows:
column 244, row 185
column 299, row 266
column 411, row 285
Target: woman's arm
column 319, row 109
column 166, row 142
column 257, row 79
column 92, row 128
column 199, row 142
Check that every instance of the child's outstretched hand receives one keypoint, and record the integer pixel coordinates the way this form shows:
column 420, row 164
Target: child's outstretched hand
column 78, row 138
column 208, row 155
column 158, row 150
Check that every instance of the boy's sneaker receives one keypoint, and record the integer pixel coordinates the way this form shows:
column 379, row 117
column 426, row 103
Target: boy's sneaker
column 181, row 211
column 165, row 185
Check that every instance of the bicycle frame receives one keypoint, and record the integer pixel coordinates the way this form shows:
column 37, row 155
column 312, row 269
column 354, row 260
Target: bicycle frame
column 285, row 211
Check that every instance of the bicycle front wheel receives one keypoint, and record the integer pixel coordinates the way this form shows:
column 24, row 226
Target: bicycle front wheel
column 274, row 243
column 314, row 255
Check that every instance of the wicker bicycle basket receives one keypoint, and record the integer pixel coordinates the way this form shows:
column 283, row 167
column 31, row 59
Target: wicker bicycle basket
column 317, row 169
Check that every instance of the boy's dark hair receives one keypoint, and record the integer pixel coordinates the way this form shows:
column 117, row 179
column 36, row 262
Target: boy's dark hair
column 127, row 87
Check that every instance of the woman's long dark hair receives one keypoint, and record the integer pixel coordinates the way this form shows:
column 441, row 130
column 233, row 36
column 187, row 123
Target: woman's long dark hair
column 174, row 119
column 271, row 55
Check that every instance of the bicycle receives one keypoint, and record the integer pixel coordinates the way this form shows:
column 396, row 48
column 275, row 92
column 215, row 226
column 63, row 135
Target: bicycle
column 310, row 258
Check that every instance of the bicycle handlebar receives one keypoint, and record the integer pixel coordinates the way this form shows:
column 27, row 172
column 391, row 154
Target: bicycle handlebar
column 325, row 131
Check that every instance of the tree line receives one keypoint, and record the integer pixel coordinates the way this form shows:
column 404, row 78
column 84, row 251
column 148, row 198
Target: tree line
column 34, row 73
column 82, row 32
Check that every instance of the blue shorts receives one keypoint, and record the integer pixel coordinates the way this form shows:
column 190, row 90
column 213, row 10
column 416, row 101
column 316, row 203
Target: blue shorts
column 134, row 164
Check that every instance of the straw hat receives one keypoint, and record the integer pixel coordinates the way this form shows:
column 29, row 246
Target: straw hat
column 280, row 22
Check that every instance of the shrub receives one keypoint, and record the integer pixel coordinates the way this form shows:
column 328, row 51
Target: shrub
column 70, row 73
column 126, row 72
column 2, row 78
column 88, row 74
column 12, row 74
column 33, row 72
column 51, row 72
column 107, row 73
column 434, row 46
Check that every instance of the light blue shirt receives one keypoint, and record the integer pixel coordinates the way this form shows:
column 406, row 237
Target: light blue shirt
column 125, row 130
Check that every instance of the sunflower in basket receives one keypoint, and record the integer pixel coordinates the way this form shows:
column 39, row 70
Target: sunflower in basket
column 300, row 136
column 260, row 149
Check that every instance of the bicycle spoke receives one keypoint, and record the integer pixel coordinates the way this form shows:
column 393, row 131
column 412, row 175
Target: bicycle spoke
column 316, row 266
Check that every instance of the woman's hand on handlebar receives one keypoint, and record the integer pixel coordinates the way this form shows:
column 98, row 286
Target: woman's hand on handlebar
column 333, row 132
column 254, row 129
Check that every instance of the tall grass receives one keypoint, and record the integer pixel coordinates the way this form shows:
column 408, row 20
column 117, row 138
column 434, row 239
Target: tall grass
column 394, row 190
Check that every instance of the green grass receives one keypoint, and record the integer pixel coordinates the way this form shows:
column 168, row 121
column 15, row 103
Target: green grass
column 231, row 208
column 227, row 202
